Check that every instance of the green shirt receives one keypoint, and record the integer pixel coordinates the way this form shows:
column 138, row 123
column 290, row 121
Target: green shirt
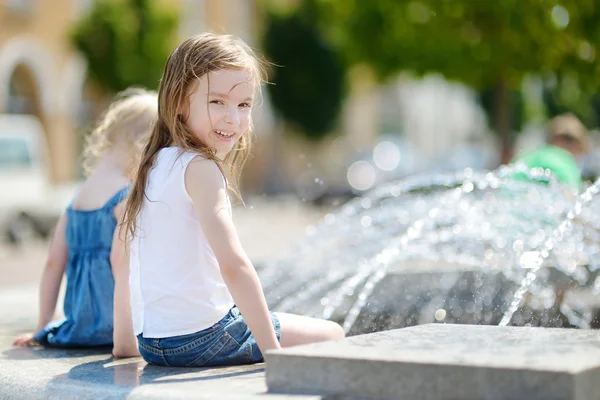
column 560, row 162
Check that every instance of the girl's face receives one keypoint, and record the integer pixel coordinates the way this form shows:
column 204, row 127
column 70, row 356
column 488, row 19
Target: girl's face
column 220, row 108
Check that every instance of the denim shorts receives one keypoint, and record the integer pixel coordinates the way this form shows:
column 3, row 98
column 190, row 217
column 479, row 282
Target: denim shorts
column 228, row 342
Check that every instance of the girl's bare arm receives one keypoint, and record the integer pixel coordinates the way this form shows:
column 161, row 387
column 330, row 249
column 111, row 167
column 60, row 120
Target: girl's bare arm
column 51, row 279
column 124, row 341
column 205, row 185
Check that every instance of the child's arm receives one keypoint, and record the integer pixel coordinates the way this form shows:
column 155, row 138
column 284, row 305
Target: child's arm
column 205, row 185
column 51, row 280
column 124, row 341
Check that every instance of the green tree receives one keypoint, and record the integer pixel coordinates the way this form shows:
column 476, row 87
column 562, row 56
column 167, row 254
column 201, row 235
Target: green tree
column 126, row 42
column 308, row 78
column 489, row 45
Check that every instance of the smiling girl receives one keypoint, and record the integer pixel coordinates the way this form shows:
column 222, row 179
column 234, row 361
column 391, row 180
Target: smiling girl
column 195, row 296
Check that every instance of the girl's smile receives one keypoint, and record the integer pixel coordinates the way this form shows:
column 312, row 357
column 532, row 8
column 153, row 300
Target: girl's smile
column 220, row 108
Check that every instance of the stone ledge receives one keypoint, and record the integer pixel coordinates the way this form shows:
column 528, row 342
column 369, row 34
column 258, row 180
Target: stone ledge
column 443, row 361
column 36, row 373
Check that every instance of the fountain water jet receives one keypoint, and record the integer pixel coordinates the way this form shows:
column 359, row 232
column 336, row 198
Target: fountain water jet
column 535, row 263
column 443, row 248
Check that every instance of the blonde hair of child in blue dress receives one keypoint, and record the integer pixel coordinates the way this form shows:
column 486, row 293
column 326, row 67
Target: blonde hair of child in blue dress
column 196, row 299
column 85, row 245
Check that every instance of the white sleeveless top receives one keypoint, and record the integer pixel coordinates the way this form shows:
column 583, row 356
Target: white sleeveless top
column 175, row 282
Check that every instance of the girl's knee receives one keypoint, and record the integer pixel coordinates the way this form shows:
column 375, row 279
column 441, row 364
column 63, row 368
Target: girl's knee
column 335, row 331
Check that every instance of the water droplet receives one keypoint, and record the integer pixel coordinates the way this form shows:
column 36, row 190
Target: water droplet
column 366, row 221
column 517, row 246
column 440, row 314
column 386, row 156
column 329, row 219
column 361, row 175
column 311, row 230
column 560, row 16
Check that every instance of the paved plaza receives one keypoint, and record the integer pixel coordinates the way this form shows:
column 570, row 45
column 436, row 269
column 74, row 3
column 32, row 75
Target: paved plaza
column 267, row 230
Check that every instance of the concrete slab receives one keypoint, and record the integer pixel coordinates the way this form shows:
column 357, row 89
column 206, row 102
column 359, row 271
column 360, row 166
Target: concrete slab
column 36, row 373
column 443, row 361
column 18, row 308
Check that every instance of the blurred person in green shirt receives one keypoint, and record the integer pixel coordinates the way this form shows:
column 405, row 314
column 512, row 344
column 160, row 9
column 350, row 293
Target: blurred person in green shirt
column 566, row 144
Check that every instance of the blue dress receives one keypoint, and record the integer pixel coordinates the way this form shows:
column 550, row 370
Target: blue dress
column 88, row 304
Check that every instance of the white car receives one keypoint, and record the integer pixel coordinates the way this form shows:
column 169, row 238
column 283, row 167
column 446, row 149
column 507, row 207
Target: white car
column 29, row 202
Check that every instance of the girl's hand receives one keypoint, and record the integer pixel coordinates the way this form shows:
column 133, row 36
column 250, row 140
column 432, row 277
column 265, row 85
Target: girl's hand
column 125, row 353
column 25, row 340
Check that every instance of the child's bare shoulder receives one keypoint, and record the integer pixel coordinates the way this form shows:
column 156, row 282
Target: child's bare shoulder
column 202, row 169
column 97, row 190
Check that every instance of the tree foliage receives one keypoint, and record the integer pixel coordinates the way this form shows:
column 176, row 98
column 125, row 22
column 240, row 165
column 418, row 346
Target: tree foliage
column 489, row 45
column 474, row 41
column 126, row 42
column 308, row 77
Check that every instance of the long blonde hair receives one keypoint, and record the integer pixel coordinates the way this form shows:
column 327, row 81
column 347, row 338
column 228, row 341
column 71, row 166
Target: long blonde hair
column 192, row 59
column 126, row 122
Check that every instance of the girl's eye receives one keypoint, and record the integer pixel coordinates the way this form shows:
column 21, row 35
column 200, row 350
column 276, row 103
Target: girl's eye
column 216, row 102
column 245, row 105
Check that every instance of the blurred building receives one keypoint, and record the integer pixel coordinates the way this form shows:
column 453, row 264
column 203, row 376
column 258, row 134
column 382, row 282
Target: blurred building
column 41, row 74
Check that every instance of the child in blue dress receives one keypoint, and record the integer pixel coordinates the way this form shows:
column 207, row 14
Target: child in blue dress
column 85, row 244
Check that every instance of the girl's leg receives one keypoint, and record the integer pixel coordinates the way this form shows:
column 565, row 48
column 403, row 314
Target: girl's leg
column 296, row 329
